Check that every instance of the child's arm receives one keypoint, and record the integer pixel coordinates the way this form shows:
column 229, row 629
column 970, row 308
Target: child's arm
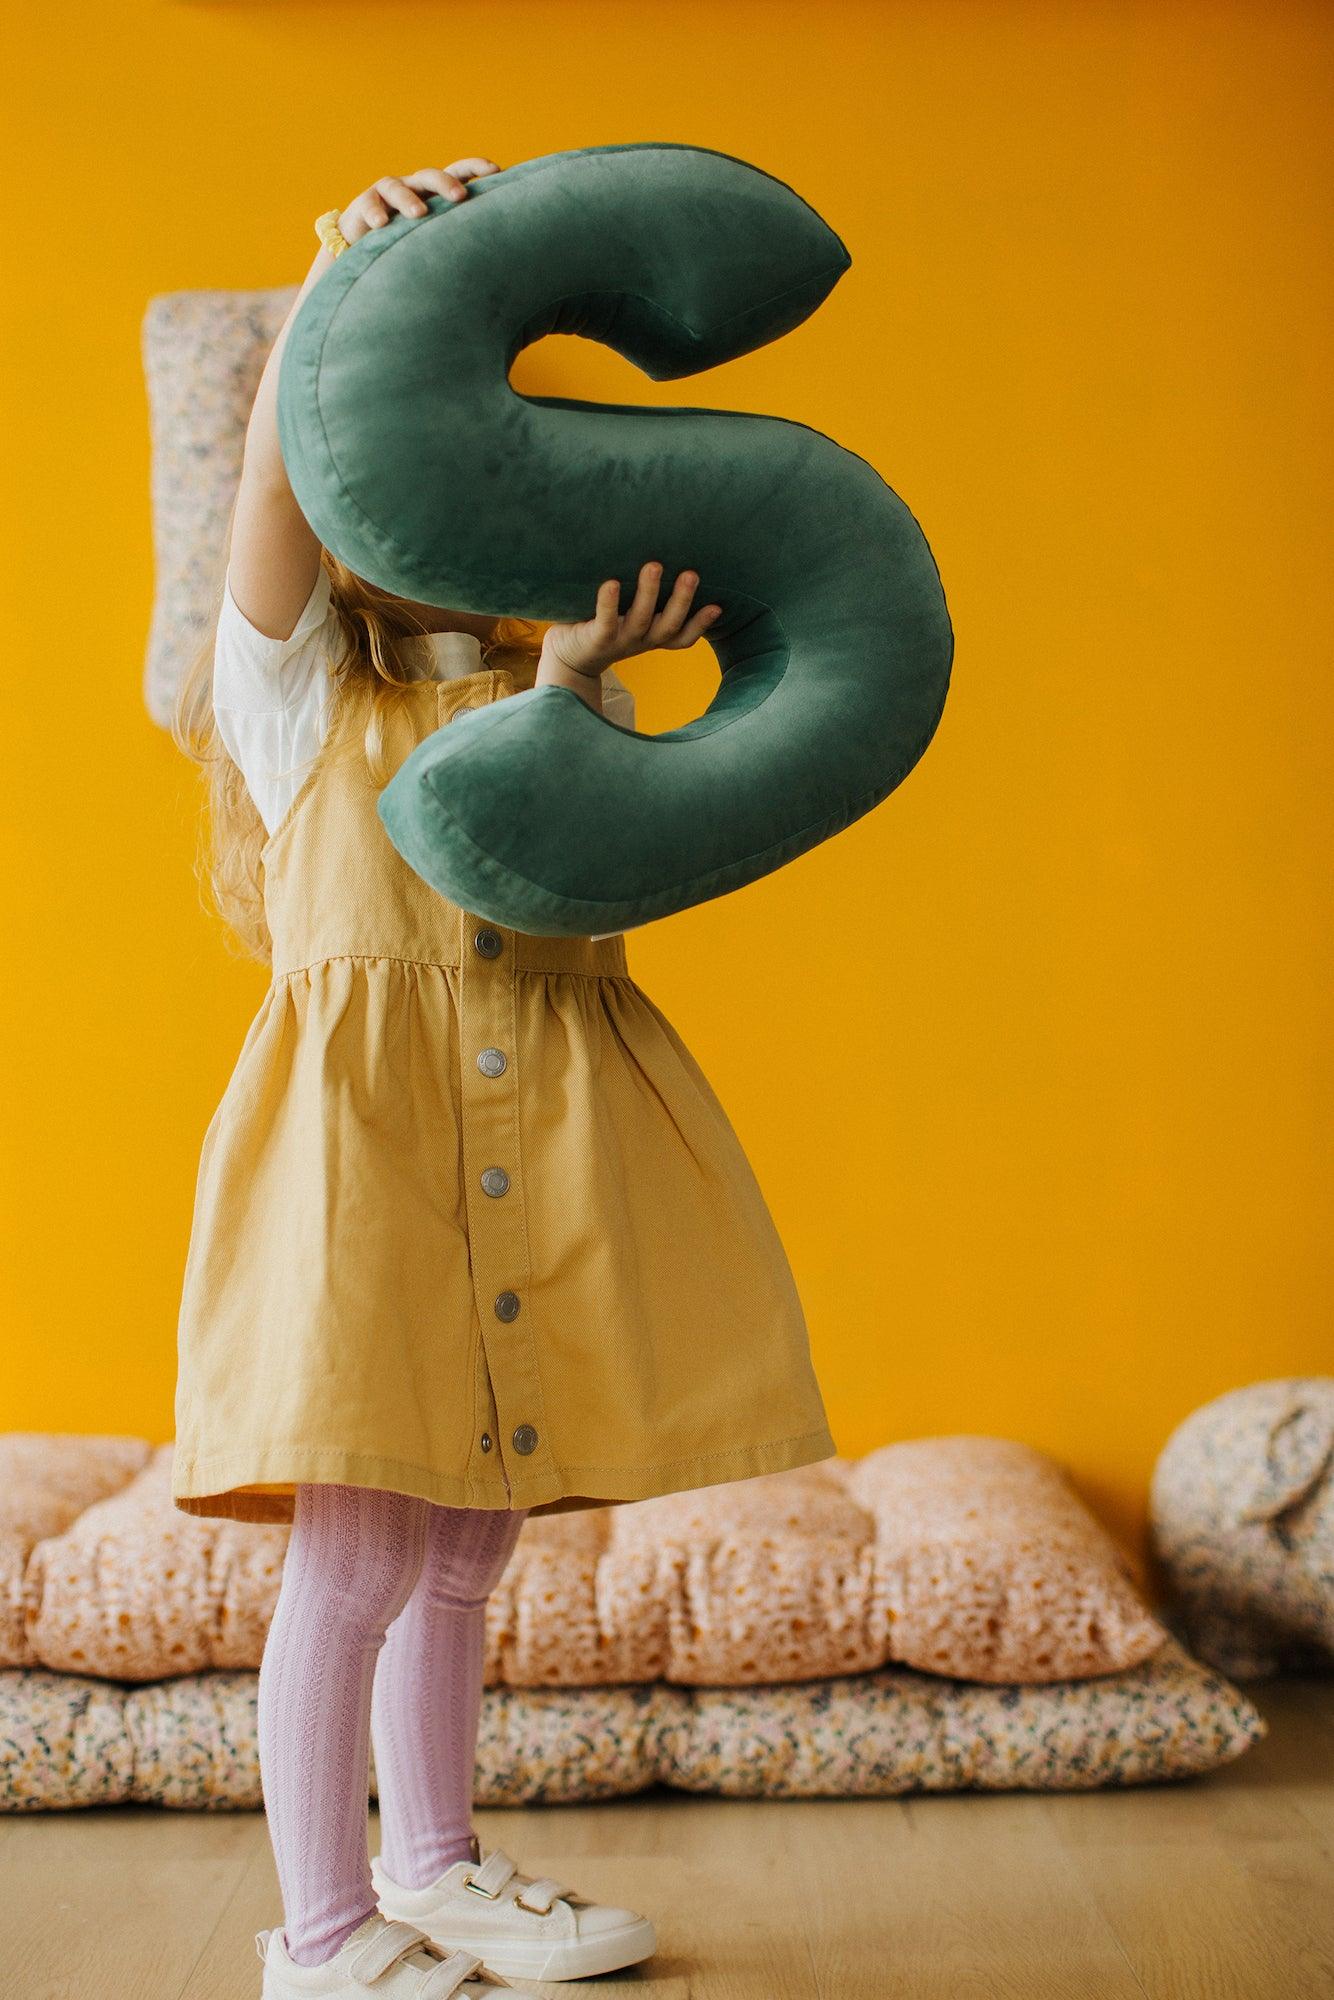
column 275, row 554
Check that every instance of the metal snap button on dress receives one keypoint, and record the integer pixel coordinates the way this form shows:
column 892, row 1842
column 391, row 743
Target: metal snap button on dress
column 489, row 943
column 525, row 1439
column 486, row 1440
column 507, row 1305
column 491, row 1062
column 494, row 1180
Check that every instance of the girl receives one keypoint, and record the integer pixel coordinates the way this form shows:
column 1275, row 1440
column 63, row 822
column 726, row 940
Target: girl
column 473, row 1238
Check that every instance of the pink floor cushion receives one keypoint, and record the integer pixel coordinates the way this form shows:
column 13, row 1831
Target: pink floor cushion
column 990, row 1567
column 762, row 1579
column 48, row 1479
column 67, row 1740
column 964, row 1556
column 135, row 1588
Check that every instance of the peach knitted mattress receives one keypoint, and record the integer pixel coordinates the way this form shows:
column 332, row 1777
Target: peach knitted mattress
column 966, row 1556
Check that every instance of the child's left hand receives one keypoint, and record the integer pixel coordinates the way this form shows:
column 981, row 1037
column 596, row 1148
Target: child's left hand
column 585, row 650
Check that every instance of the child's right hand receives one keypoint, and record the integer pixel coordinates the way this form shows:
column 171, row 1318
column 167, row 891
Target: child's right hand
column 583, row 651
column 401, row 194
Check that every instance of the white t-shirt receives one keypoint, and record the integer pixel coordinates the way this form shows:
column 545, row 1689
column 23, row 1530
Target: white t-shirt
column 271, row 697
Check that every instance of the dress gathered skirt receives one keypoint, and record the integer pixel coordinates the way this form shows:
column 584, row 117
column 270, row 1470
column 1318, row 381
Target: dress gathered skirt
column 471, row 1223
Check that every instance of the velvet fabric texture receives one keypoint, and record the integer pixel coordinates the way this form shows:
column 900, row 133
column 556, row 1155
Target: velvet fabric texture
column 416, row 462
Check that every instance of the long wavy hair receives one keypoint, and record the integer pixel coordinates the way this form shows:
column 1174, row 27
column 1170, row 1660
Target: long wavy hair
column 378, row 655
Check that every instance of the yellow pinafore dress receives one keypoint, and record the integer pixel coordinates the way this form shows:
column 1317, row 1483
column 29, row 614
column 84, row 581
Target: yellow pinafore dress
column 470, row 1222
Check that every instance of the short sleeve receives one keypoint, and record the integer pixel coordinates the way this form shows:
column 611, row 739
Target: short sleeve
column 618, row 704
column 271, row 696
column 253, row 671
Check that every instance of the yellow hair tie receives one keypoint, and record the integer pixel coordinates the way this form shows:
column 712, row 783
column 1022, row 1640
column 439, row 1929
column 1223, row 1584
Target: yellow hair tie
column 330, row 235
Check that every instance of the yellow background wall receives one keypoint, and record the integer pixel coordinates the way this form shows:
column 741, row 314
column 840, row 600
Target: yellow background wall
column 1032, row 1063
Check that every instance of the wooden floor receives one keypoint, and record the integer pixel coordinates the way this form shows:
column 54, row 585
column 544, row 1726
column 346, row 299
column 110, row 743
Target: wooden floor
column 1222, row 1889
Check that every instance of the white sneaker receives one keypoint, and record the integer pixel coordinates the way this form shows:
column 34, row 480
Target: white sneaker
column 527, row 1929
column 382, row 1959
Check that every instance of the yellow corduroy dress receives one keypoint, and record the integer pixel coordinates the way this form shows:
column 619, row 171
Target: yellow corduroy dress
column 470, row 1222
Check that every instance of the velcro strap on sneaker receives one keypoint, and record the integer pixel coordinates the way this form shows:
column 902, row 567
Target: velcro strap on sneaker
column 539, row 1896
column 445, row 1979
column 384, row 1948
column 493, row 1875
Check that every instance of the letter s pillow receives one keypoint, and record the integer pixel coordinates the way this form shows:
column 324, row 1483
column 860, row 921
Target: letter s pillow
column 418, row 465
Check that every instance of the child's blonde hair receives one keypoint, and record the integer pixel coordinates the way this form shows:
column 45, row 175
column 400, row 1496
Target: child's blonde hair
column 371, row 668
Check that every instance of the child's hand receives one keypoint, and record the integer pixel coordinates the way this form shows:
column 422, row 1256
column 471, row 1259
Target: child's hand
column 590, row 647
column 402, row 194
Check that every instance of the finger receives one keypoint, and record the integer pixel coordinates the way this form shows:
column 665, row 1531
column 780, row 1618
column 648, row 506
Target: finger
column 371, row 209
column 352, row 222
column 430, row 180
column 604, row 620
column 473, row 167
column 673, row 613
column 640, row 615
column 696, row 627
column 399, row 196
column 440, row 180
column 451, row 180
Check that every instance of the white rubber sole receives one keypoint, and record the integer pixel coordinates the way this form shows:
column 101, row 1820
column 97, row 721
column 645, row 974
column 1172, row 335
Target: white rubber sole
column 562, row 1958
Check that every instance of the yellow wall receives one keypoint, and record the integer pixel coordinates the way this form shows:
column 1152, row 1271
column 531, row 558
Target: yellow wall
column 1032, row 1063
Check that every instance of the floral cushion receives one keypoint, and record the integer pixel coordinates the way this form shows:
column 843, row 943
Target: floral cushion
column 47, row 1480
column 203, row 354
column 1242, row 1517
column 67, row 1740
column 132, row 1589
column 989, row 1566
column 968, row 1556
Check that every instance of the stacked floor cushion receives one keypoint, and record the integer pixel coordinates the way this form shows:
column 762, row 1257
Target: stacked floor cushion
column 937, row 1615
column 70, row 1741
column 967, row 1556
column 47, row 1480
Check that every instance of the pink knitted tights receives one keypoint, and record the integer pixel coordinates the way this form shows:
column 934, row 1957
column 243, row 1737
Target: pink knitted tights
column 361, row 1565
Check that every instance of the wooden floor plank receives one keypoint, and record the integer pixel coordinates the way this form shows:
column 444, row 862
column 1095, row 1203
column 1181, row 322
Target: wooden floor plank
column 1300, row 1749
column 1201, row 1922
column 1222, row 1889
column 228, row 1967
column 953, row 1897
column 710, row 1873
column 117, row 1886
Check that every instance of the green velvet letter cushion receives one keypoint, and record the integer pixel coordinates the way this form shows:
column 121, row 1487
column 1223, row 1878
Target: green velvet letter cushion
column 419, row 466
